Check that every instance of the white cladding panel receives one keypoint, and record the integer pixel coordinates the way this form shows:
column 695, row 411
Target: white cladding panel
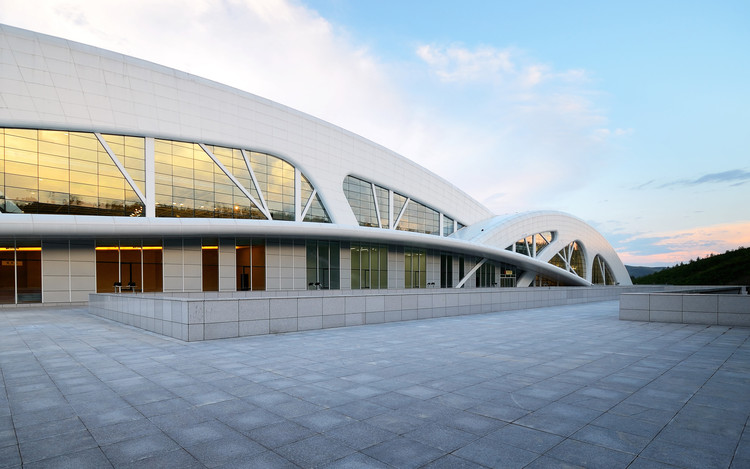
column 59, row 84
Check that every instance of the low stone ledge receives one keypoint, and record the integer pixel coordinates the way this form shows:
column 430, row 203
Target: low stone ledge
column 689, row 306
column 216, row 315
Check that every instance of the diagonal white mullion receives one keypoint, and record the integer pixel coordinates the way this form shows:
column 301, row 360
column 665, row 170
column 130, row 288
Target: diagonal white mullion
column 377, row 207
column 471, row 272
column 401, row 213
column 308, row 204
column 255, row 182
column 233, row 179
column 122, row 169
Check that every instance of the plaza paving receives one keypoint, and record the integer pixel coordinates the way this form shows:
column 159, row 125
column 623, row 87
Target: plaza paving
column 553, row 387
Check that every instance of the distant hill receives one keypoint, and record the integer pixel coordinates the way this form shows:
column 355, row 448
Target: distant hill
column 637, row 271
column 730, row 268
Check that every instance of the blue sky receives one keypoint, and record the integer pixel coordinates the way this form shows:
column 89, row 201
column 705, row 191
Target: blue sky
column 634, row 116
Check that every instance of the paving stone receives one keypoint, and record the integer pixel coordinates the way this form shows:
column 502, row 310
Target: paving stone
column 450, row 461
column 177, row 459
column 252, row 419
column 612, row 439
column 314, row 451
column 47, row 429
column 493, row 454
column 498, row 389
column 218, row 452
column 323, row 421
column 361, row 409
column 138, row 448
column 279, row 434
column 110, row 434
column 210, row 430
column 37, row 450
column 403, row 453
column 683, row 456
column 89, row 458
column 396, row 422
column 589, row 455
column 10, row 456
column 525, row 438
column 265, row 460
column 360, row 435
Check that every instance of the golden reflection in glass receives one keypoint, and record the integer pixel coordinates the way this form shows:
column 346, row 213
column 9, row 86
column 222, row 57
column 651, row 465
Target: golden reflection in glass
column 276, row 179
column 58, row 172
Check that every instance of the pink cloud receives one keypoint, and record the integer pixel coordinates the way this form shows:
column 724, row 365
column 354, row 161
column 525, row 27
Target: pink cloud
column 683, row 245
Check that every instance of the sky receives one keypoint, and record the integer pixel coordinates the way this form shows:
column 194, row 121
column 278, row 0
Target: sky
column 631, row 115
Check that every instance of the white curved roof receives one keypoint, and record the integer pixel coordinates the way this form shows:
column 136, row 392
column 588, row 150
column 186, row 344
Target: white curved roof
column 53, row 83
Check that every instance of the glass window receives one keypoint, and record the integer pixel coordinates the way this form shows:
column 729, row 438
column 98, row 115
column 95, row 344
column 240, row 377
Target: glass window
column 359, row 195
column 419, row 218
column 53, row 168
column 235, row 204
column 602, row 274
column 20, row 272
column 323, row 265
column 7, row 273
column 251, row 264
column 532, row 245
column 485, row 276
column 210, row 264
column 316, row 212
column 446, row 271
column 447, row 226
column 461, row 269
column 415, row 268
column 129, row 265
column 369, row 266
column 571, row 258
column 383, row 205
column 276, row 180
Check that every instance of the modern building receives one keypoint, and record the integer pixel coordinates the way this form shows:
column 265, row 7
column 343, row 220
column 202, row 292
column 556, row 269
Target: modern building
column 117, row 174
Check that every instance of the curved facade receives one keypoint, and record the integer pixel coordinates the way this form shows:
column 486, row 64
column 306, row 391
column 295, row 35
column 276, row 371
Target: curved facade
column 119, row 174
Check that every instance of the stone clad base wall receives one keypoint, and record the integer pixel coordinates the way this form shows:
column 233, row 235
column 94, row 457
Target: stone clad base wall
column 687, row 308
column 203, row 316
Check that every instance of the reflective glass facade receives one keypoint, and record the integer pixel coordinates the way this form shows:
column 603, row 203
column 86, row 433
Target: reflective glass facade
column 485, row 276
column 361, row 200
column 234, row 161
column 571, row 258
column 371, row 205
column 323, row 264
column 189, row 184
column 601, row 275
column 369, row 266
column 384, row 206
column 20, row 272
column 447, row 226
column 250, row 261
column 80, row 173
column 419, row 218
column 210, row 264
column 68, row 173
column 316, row 212
column 415, row 268
column 129, row 265
column 532, row 245
column 446, row 271
column 276, row 180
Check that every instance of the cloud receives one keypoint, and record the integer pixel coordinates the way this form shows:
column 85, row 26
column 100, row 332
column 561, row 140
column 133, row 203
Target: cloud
column 533, row 121
column 495, row 108
column 671, row 247
column 736, row 176
column 458, row 64
column 277, row 49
